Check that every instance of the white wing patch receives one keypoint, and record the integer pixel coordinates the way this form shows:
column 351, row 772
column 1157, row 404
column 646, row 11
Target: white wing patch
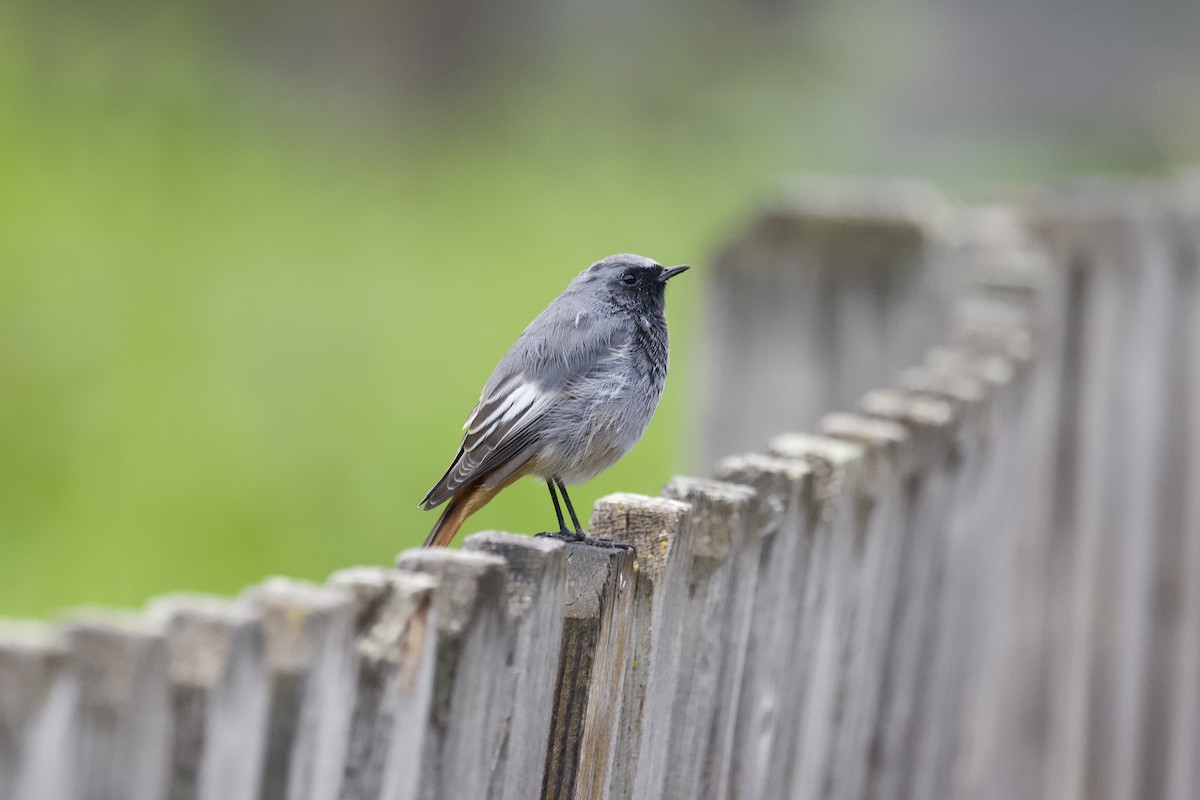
column 519, row 400
column 504, row 408
column 498, row 431
column 487, row 405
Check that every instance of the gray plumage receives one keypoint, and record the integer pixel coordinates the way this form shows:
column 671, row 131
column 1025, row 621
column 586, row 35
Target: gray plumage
column 575, row 392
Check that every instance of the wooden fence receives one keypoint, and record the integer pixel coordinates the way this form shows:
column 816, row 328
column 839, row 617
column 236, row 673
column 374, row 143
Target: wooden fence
column 981, row 580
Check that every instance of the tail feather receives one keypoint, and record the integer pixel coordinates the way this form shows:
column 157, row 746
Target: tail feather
column 466, row 502
column 461, row 506
column 447, row 525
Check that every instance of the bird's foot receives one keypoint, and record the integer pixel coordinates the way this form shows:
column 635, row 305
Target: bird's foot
column 562, row 536
column 583, row 538
column 611, row 544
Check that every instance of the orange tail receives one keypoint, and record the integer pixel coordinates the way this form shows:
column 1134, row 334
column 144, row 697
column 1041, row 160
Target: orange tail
column 462, row 505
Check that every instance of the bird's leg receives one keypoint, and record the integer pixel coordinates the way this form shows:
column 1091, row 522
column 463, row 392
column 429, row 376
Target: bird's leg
column 570, row 509
column 562, row 524
column 581, row 535
column 562, row 532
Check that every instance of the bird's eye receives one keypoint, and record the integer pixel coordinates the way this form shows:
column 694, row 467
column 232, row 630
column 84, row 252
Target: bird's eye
column 629, row 279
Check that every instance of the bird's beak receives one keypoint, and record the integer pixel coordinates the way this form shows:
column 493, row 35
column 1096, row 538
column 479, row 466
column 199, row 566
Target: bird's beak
column 672, row 272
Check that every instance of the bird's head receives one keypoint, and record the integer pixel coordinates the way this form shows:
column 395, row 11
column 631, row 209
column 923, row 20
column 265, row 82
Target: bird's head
column 629, row 280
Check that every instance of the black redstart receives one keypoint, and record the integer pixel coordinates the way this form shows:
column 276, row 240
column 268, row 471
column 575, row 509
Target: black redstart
column 573, row 394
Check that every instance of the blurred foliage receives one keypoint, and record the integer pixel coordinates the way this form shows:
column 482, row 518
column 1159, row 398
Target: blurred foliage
column 247, row 298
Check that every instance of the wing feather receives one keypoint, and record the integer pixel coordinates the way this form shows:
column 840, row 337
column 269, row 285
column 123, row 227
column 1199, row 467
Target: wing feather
column 540, row 368
column 500, row 427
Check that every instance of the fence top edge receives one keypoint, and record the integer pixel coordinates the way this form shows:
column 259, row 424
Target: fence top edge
column 909, row 409
column 392, row 616
column 644, row 502
column 1098, row 195
column 791, row 468
column 688, row 489
column 201, row 642
column 1017, row 267
column 1015, row 344
column 993, row 368
column 837, row 453
column 468, row 581
column 372, row 588
column 590, row 568
column 532, row 565
column 912, row 211
column 888, row 446
column 779, row 482
column 898, row 200
column 719, row 513
column 115, row 656
column 122, row 623
column 278, row 591
column 839, row 467
column 539, row 547
column 31, row 635
column 864, row 430
column 965, row 391
column 361, row 574
column 448, row 561
column 214, row 608
column 381, row 578
column 652, row 525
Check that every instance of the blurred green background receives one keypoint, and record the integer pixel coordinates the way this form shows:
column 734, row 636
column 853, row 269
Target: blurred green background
column 257, row 260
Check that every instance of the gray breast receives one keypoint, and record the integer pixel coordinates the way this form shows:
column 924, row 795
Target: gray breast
column 606, row 412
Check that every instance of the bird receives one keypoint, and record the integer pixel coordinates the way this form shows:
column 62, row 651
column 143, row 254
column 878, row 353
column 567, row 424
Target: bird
column 573, row 394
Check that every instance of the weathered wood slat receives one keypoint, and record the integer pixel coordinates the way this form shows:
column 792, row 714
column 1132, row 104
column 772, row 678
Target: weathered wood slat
column 1144, row 472
column 1120, row 308
column 715, row 624
column 394, row 684
column 119, row 663
column 1182, row 690
column 979, row 702
column 534, row 596
column 932, row 426
column 462, row 733
column 1000, row 746
column 810, row 586
column 1073, row 553
column 767, row 700
column 887, row 465
column 966, row 561
column 37, row 702
column 218, row 693
column 596, row 637
column 838, row 472
column 308, row 638
column 754, row 520
column 1011, row 313
column 658, row 530
column 832, row 289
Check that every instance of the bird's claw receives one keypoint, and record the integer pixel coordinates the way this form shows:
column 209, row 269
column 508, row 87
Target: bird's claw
column 604, row 544
column 562, row 536
column 611, row 544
